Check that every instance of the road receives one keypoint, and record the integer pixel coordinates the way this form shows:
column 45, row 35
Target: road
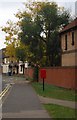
column 5, row 81
column 21, row 101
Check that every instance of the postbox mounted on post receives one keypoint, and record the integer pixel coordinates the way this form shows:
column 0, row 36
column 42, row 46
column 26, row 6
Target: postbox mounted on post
column 43, row 73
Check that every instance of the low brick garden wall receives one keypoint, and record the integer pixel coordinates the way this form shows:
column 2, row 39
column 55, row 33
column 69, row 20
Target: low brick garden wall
column 65, row 77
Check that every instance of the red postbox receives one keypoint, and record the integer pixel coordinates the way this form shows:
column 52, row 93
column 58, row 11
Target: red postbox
column 43, row 73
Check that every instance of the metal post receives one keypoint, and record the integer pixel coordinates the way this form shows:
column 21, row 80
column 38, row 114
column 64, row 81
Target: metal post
column 43, row 84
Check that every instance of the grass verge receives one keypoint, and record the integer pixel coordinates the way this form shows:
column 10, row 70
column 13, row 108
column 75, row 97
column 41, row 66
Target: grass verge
column 57, row 111
column 54, row 92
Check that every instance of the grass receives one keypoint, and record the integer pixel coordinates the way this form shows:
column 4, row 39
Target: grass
column 57, row 111
column 54, row 92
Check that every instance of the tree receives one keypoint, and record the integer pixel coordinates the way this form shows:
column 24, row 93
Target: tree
column 21, row 53
column 11, row 38
column 30, row 32
column 40, row 26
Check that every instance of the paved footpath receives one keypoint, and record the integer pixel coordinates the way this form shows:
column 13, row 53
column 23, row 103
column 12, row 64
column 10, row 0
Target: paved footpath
column 22, row 102
column 65, row 103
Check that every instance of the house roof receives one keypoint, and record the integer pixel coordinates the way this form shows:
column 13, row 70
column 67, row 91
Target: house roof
column 71, row 25
column 2, row 51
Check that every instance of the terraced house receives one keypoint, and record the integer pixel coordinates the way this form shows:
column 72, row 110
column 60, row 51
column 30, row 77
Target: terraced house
column 69, row 44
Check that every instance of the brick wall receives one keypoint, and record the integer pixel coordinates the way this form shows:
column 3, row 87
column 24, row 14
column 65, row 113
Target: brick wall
column 29, row 72
column 69, row 59
column 59, row 76
column 69, row 41
column 69, row 55
column 62, row 76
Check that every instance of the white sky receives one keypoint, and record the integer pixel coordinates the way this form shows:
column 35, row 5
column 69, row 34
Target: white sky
column 10, row 7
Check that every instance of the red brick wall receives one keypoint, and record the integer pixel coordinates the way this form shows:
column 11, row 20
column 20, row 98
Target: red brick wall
column 29, row 72
column 61, row 76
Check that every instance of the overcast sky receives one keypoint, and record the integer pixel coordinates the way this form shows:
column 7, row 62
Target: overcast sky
column 9, row 7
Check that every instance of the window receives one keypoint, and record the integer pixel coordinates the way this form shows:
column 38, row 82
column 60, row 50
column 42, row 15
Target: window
column 72, row 38
column 65, row 42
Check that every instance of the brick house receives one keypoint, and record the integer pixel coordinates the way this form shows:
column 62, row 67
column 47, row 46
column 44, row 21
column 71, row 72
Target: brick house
column 69, row 44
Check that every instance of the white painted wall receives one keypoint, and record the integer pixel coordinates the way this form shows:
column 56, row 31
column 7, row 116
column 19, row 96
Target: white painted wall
column 20, row 71
column 5, row 68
